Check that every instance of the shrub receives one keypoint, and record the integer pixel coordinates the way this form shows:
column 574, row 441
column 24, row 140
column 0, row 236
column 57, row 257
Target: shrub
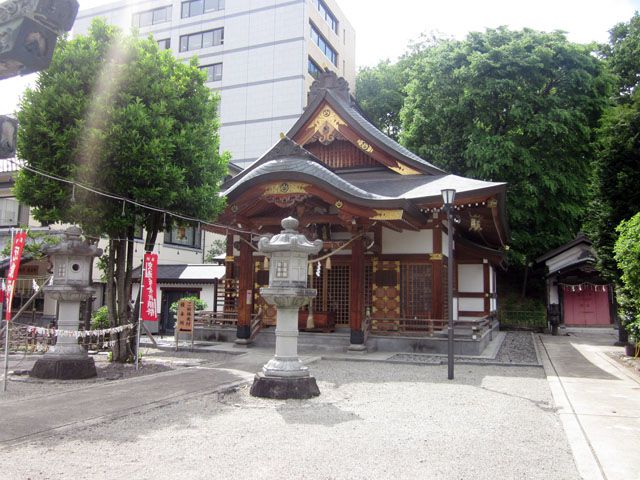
column 100, row 318
column 199, row 304
column 627, row 256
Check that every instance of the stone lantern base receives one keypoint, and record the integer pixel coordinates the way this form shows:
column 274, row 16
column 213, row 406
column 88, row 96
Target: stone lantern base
column 64, row 368
column 284, row 387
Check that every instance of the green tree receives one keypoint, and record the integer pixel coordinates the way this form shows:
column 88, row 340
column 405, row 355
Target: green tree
column 513, row 106
column 380, row 95
column 627, row 254
column 217, row 247
column 616, row 172
column 118, row 114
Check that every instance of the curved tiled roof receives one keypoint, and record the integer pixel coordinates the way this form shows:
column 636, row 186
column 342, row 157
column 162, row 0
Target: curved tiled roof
column 305, row 167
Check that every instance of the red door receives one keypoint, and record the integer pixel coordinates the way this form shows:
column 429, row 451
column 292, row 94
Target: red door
column 586, row 307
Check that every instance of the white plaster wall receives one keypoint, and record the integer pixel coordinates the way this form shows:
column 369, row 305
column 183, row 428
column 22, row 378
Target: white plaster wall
column 472, row 304
column 407, row 241
column 470, row 278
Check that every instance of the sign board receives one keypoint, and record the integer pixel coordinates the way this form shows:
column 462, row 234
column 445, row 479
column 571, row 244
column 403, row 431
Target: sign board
column 14, row 266
column 184, row 319
column 184, row 322
column 149, row 306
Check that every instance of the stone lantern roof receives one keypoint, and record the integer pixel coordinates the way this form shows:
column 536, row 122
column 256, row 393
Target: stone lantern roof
column 289, row 240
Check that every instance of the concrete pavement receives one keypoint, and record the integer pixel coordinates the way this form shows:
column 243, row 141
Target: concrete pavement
column 598, row 402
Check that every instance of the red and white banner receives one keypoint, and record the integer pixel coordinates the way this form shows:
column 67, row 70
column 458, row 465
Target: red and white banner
column 16, row 255
column 149, row 302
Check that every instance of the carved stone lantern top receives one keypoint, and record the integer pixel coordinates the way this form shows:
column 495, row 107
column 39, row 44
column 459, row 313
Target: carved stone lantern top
column 73, row 244
column 289, row 240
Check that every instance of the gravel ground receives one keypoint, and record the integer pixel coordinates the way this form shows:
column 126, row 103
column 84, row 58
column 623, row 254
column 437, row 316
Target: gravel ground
column 516, row 349
column 372, row 420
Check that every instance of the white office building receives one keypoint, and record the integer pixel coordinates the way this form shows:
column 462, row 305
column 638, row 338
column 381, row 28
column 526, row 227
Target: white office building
column 260, row 55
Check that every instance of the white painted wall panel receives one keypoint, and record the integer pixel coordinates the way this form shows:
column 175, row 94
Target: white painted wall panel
column 470, row 278
column 407, row 241
column 471, row 304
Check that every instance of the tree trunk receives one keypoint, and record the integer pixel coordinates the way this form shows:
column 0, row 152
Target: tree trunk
column 120, row 349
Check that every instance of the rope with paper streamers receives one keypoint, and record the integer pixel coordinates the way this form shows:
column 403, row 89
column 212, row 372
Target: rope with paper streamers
column 594, row 287
column 78, row 333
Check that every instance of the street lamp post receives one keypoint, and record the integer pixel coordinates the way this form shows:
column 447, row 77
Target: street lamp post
column 448, row 196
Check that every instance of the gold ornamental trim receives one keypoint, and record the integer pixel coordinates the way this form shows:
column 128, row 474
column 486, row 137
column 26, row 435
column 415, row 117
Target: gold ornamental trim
column 364, row 146
column 284, row 188
column 339, row 204
column 228, row 258
column 326, row 124
column 435, row 256
column 492, row 203
column 402, row 169
column 387, row 214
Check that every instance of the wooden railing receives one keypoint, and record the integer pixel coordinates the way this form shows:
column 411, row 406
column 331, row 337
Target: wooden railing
column 208, row 318
column 426, row 326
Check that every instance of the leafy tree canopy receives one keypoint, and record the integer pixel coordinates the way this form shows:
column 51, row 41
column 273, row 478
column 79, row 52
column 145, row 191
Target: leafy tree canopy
column 116, row 113
column 380, row 95
column 627, row 254
column 512, row 106
column 119, row 114
column 616, row 172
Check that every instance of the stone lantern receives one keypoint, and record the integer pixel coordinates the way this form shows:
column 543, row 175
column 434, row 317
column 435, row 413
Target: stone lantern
column 29, row 31
column 284, row 376
column 71, row 260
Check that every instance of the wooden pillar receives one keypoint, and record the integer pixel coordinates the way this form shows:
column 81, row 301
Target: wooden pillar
column 437, row 299
column 356, row 293
column 245, row 288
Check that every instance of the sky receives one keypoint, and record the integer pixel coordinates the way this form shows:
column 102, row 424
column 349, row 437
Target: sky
column 384, row 29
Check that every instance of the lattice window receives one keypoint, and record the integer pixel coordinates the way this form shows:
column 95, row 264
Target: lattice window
column 368, row 286
column 338, row 292
column 416, row 286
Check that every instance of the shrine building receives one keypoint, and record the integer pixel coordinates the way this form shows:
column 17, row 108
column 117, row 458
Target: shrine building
column 378, row 209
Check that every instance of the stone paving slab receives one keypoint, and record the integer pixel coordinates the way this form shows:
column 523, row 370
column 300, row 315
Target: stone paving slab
column 23, row 418
column 598, row 402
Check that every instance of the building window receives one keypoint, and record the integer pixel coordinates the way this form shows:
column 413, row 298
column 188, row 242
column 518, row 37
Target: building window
column 324, row 45
column 327, row 15
column 214, row 72
column 164, row 44
column 314, row 69
column 207, row 39
column 152, row 17
column 187, row 236
column 9, row 211
column 198, row 7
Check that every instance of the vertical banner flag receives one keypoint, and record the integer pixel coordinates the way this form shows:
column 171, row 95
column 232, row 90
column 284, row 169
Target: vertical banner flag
column 14, row 265
column 149, row 300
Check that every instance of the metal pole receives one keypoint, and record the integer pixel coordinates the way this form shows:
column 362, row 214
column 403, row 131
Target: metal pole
column 450, row 293
column 139, row 311
column 7, row 332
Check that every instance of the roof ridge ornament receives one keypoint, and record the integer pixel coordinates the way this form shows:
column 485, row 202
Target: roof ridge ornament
column 329, row 81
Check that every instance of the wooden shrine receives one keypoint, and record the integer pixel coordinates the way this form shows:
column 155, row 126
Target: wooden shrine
column 377, row 209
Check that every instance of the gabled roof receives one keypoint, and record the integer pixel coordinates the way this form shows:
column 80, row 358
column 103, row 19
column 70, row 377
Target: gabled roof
column 185, row 273
column 581, row 238
column 330, row 89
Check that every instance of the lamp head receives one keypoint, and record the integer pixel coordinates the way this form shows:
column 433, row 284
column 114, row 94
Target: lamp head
column 448, row 196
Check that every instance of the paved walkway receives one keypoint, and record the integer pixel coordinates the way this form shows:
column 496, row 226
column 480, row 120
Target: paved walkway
column 598, row 402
